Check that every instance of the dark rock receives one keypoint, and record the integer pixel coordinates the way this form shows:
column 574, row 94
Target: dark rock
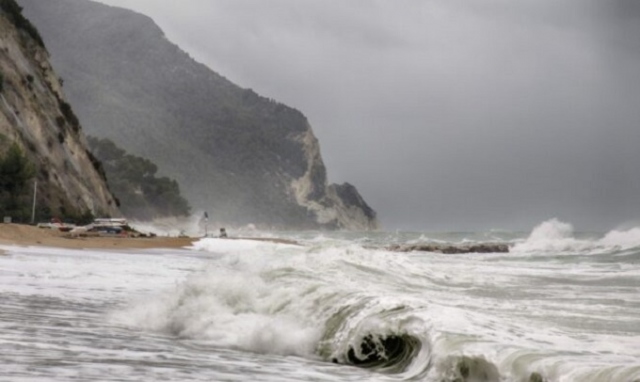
column 452, row 249
column 536, row 377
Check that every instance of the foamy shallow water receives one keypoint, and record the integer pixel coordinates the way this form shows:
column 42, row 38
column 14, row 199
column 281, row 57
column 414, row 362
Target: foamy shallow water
column 564, row 307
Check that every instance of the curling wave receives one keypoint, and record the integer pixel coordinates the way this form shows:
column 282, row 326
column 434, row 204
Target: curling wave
column 412, row 316
column 387, row 352
column 388, row 340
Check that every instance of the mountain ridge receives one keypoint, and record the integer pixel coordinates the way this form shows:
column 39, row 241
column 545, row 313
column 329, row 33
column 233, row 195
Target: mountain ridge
column 244, row 158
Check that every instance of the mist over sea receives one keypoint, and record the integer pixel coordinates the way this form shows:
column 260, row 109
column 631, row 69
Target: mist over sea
column 562, row 306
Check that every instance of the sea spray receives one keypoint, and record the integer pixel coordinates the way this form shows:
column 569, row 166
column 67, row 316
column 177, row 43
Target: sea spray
column 622, row 239
column 562, row 306
column 268, row 301
column 228, row 306
column 554, row 236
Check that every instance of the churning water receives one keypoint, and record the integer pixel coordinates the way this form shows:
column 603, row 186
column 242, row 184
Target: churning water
column 559, row 307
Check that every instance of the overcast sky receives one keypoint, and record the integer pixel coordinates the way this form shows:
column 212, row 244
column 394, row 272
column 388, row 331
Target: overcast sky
column 446, row 114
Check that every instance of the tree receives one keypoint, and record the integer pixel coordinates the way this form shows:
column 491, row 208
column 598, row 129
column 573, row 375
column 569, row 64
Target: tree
column 133, row 181
column 15, row 172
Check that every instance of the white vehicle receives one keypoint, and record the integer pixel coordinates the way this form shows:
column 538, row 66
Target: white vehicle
column 109, row 222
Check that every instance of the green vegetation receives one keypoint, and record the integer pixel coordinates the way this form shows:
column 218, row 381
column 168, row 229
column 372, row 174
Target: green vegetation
column 68, row 113
column 14, row 13
column 232, row 151
column 15, row 173
column 133, row 181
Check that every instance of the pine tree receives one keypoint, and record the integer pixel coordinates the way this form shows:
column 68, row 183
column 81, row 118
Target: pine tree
column 15, row 173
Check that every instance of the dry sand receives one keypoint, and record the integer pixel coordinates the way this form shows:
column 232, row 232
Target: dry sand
column 25, row 235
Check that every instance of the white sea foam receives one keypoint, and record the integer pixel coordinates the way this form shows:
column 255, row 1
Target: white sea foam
column 555, row 236
column 623, row 239
column 232, row 303
column 229, row 310
column 246, row 247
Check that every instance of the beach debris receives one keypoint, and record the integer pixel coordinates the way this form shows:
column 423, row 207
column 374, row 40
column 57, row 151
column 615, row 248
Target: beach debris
column 57, row 224
column 79, row 231
column 105, row 226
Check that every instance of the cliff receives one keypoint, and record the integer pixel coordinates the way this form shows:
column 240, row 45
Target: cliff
column 35, row 115
column 241, row 157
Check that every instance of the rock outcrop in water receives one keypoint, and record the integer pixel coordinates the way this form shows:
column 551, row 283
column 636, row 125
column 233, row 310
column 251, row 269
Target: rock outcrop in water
column 452, row 249
column 241, row 157
column 35, row 116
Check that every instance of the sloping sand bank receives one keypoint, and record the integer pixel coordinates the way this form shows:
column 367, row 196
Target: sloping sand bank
column 25, row 235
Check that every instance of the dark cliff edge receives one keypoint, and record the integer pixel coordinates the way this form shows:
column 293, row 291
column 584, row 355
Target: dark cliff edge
column 36, row 118
column 244, row 158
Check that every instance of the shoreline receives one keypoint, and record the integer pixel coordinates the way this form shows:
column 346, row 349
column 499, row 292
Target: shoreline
column 31, row 236
column 26, row 235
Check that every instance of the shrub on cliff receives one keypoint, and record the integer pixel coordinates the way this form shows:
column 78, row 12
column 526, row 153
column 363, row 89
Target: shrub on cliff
column 133, row 181
column 15, row 173
column 14, row 13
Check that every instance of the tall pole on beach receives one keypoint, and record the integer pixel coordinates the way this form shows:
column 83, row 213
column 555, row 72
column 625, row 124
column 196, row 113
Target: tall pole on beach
column 33, row 209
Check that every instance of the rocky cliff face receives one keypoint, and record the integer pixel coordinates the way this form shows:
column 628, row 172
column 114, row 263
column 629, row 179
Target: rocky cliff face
column 35, row 116
column 331, row 204
column 241, row 157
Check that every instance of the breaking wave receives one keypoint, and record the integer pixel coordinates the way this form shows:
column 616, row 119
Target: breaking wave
column 392, row 313
column 266, row 302
column 386, row 340
column 555, row 236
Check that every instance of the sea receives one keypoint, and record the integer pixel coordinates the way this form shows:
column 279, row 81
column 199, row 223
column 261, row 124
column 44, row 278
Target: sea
column 560, row 306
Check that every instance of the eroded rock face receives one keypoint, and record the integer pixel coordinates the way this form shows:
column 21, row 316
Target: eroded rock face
column 35, row 115
column 244, row 158
column 335, row 206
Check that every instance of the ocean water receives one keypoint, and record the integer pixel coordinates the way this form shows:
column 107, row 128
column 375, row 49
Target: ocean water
column 562, row 306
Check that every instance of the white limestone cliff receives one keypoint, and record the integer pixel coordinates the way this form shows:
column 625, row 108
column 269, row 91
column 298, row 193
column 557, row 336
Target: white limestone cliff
column 338, row 206
column 35, row 116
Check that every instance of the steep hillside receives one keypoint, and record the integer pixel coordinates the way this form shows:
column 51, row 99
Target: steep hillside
column 35, row 116
column 133, row 180
column 242, row 157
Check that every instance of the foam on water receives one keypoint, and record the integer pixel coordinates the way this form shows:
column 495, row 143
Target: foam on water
column 556, row 308
column 417, row 315
column 245, row 247
column 622, row 239
column 554, row 236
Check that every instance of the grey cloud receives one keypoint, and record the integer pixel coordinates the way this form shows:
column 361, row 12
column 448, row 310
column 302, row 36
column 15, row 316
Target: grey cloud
column 446, row 114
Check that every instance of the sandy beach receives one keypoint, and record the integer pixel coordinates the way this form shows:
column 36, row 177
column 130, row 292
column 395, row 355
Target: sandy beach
column 25, row 235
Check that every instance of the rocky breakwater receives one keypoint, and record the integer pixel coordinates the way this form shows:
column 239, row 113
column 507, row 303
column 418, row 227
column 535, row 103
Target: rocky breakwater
column 452, row 249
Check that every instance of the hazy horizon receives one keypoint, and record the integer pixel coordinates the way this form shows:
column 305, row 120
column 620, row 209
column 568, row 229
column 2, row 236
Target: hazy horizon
column 446, row 115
